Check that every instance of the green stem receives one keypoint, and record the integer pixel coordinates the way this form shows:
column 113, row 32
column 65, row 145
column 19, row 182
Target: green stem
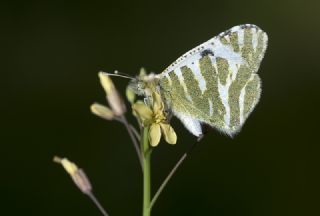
column 146, row 150
column 131, row 134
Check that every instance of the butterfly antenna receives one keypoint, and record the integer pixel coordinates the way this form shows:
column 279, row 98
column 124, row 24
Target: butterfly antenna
column 117, row 74
column 123, row 74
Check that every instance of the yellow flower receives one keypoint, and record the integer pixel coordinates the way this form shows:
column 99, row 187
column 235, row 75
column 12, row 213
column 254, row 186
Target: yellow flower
column 156, row 119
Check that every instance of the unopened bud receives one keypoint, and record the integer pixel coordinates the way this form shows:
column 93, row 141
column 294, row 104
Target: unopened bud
column 78, row 175
column 115, row 101
column 82, row 181
column 131, row 96
column 143, row 72
column 106, row 82
column 102, row 111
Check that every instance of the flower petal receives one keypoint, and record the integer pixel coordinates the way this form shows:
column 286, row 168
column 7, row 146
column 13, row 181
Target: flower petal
column 154, row 134
column 142, row 110
column 169, row 134
column 157, row 102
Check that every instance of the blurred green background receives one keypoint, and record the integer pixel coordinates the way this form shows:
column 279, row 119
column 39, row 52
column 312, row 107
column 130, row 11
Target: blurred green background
column 51, row 53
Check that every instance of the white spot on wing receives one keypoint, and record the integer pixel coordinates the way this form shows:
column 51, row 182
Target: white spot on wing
column 191, row 124
column 198, row 76
column 189, row 98
column 265, row 42
column 254, row 38
column 241, row 104
column 226, row 52
column 178, row 72
column 235, row 28
column 241, row 37
column 227, row 38
column 210, row 106
column 168, row 78
column 233, row 68
column 214, row 63
column 224, row 95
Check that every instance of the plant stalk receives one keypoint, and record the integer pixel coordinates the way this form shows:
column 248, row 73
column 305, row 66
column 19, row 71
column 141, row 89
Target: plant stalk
column 97, row 203
column 146, row 151
column 132, row 136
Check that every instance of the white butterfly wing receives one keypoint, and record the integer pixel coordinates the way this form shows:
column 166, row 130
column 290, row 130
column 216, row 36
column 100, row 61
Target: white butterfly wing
column 216, row 82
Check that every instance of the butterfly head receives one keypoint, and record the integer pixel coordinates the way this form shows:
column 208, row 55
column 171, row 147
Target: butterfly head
column 144, row 85
column 138, row 86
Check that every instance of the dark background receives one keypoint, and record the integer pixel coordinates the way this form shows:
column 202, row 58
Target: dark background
column 50, row 55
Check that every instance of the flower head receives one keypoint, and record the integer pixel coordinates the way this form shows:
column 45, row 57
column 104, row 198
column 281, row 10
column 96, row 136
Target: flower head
column 155, row 118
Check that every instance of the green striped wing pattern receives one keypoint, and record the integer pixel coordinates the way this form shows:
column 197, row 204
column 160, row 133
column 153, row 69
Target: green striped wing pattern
column 217, row 83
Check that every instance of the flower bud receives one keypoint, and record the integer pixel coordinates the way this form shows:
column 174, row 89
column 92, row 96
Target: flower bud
column 102, row 111
column 142, row 72
column 115, row 101
column 78, row 175
column 106, row 83
column 131, row 96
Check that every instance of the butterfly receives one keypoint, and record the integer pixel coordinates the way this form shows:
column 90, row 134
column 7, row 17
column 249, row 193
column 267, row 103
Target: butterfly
column 214, row 84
